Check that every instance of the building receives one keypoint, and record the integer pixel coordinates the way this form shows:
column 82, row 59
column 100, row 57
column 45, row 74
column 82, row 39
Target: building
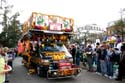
column 87, row 32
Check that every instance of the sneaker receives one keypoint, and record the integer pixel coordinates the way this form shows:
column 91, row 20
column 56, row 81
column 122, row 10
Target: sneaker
column 110, row 77
column 106, row 75
column 98, row 73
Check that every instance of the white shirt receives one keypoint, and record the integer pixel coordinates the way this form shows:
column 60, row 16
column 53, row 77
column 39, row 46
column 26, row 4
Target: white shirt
column 119, row 46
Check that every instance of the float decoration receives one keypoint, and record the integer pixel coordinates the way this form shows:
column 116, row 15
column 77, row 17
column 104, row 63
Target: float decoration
column 49, row 22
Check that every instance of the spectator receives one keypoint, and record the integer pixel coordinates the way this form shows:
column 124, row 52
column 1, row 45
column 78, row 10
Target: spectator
column 109, row 62
column 98, row 53
column 121, row 69
column 73, row 52
column 6, row 49
column 89, row 56
column 118, row 40
column 102, row 60
column 2, row 65
column 78, row 55
column 3, row 68
column 11, row 57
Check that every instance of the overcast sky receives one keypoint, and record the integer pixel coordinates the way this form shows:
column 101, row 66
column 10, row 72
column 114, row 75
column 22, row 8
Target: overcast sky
column 99, row 12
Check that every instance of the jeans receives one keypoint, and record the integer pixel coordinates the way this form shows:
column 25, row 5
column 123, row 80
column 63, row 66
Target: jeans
column 121, row 71
column 78, row 61
column 6, row 78
column 103, row 67
column 90, row 62
column 109, row 68
column 98, row 66
column 95, row 58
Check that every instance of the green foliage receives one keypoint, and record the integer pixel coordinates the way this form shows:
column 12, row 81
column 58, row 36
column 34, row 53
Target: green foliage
column 11, row 28
column 10, row 35
column 120, row 23
column 119, row 28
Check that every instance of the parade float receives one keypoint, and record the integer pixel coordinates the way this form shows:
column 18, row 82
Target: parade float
column 44, row 46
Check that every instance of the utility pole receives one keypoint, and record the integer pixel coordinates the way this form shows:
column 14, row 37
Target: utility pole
column 122, row 20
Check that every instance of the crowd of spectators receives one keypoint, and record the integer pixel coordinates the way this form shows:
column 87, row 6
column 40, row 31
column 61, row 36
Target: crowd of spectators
column 104, row 59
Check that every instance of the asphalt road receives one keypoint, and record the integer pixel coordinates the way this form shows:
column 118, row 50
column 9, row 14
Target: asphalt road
column 20, row 75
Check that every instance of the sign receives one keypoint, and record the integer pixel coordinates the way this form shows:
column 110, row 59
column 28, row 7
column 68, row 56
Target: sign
column 55, row 27
column 53, row 22
column 66, row 24
column 41, row 20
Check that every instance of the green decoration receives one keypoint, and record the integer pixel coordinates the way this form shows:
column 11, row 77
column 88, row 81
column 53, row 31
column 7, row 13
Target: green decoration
column 66, row 24
column 40, row 20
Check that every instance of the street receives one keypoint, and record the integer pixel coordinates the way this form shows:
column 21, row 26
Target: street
column 20, row 75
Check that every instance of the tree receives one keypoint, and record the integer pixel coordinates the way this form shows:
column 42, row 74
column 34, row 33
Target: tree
column 119, row 28
column 11, row 27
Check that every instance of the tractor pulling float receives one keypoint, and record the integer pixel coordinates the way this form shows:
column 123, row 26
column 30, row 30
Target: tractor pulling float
column 43, row 46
